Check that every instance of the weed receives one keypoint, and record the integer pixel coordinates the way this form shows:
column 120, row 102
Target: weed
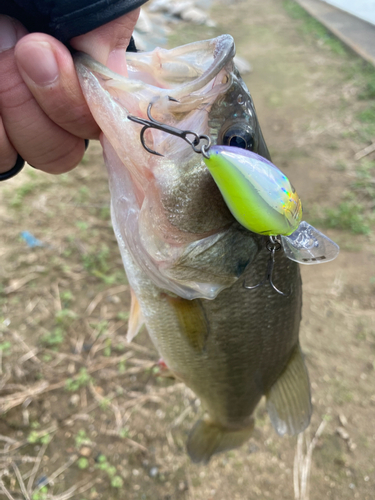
column 5, row 348
column 83, row 194
column 65, row 317
column 124, row 432
column 41, row 494
column 123, row 316
column 82, row 463
column 348, row 215
column 312, row 27
column 367, row 115
column 97, row 263
column 105, row 466
column 36, row 437
column 121, row 367
column 100, row 327
column 82, row 439
column 105, row 213
column 82, row 379
column 21, row 192
column 368, row 86
column 117, row 482
column 81, row 225
column 104, row 404
column 107, row 349
column 67, row 297
column 54, row 338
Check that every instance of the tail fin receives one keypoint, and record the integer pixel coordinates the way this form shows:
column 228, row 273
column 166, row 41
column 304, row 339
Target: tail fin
column 207, row 438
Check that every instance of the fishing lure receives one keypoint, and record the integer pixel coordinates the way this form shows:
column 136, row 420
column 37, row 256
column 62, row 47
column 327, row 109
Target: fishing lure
column 260, row 197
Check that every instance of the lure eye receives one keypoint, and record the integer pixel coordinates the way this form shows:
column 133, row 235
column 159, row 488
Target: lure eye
column 238, row 137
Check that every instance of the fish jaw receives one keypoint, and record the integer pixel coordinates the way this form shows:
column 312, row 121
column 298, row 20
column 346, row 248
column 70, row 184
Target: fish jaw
column 168, row 209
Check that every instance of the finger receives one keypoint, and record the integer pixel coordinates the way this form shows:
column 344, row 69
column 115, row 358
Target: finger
column 33, row 135
column 47, row 68
column 8, row 155
column 108, row 43
column 10, row 32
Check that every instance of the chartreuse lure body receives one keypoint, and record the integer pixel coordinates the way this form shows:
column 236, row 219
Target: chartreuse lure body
column 262, row 199
column 257, row 193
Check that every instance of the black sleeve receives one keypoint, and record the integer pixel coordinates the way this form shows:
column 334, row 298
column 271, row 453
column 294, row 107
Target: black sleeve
column 65, row 19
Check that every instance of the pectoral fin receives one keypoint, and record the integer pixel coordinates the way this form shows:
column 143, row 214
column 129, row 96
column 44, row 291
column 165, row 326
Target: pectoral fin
column 192, row 320
column 288, row 401
column 135, row 319
column 207, row 438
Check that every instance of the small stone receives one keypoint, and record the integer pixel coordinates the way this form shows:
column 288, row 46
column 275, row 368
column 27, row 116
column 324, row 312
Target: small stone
column 194, row 15
column 85, row 451
column 153, row 472
column 342, row 433
column 115, row 299
column 182, row 486
column 74, row 400
column 343, row 420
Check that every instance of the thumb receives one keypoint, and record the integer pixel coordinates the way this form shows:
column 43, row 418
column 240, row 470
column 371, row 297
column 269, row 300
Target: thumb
column 108, row 43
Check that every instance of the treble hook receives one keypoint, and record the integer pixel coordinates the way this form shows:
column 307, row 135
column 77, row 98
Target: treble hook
column 273, row 246
column 182, row 134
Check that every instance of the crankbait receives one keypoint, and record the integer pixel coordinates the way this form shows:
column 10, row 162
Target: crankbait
column 259, row 195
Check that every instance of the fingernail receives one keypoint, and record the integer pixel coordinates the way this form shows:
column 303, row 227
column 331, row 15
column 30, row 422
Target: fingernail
column 8, row 33
column 37, row 60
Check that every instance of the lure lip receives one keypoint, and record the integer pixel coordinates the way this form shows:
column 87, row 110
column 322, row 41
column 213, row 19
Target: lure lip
column 308, row 246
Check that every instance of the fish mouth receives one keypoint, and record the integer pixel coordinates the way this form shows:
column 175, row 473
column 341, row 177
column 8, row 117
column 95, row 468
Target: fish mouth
column 176, row 73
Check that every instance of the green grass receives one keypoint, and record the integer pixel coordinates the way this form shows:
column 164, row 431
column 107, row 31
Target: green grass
column 41, row 494
column 349, row 215
column 81, row 380
column 82, row 439
column 312, row 27
column 365, row 180
column 359, row 71
column 356, row 212
column 110, row 470
column 54, row 338
column 19, row 193
column 6, row 348
column 82, row 463
column 367, row 73
column 98, row 263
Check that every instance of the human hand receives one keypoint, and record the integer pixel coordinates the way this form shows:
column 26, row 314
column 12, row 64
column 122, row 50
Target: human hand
column 43, row 114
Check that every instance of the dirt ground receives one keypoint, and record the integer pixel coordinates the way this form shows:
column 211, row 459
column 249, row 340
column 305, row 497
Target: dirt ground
column 85, row 415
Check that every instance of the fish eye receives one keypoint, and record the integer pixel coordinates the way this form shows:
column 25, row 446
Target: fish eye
column 238, row 137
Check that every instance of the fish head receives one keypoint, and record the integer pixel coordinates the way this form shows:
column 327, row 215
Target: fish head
column 167, row 212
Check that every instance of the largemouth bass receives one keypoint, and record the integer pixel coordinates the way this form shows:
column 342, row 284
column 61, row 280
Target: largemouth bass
column 185, row 255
